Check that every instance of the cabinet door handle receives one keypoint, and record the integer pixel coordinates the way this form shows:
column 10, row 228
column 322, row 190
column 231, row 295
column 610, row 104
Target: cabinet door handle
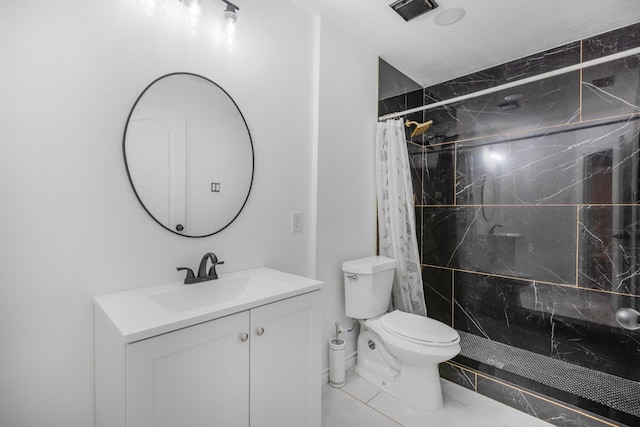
column 260, row 331
column 244, row 337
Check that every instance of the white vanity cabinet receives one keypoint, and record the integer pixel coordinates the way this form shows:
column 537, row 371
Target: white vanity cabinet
column 197, row 376
column 257, row 367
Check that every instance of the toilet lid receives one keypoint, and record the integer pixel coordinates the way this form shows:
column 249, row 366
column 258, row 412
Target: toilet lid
column 418, row 328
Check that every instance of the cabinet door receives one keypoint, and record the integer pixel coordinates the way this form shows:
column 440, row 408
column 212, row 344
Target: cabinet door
column 196, row 376
column 285, row 363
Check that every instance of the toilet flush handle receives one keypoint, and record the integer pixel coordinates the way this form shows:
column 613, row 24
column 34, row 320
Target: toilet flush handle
column 352, row 276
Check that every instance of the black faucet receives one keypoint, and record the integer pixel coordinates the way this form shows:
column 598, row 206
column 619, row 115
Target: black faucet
column 203, row 276
column 202, row 270
column 493, row 229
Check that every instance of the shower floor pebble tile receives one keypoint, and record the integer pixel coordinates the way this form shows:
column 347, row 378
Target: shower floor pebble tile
column 360, row 404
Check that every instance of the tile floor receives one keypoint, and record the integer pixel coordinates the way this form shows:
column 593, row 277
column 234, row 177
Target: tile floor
column 360, row 404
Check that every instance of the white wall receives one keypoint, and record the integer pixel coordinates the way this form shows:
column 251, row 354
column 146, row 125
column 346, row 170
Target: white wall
column 346, row 202
column 71, row 226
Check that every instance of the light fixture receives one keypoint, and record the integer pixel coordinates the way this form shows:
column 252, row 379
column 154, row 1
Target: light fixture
column 449, row 16
column 194, row 16
column 153, row 7
column 492, row 159
column 514, row 97
column 230, row 18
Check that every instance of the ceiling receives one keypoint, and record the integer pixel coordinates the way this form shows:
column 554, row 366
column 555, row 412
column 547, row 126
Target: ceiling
column 491, row 32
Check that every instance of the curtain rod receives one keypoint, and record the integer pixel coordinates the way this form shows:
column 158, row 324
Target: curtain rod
column 568, row 69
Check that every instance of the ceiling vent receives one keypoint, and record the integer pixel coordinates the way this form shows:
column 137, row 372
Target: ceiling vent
column 411, row 9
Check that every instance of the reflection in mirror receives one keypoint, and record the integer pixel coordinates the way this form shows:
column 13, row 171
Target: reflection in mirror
column 189, row 154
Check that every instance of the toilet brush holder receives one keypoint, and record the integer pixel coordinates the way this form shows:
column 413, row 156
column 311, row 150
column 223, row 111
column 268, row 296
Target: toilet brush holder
column 337, row 362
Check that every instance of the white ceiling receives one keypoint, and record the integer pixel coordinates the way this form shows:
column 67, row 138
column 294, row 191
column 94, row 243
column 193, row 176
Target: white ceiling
column 492, row 32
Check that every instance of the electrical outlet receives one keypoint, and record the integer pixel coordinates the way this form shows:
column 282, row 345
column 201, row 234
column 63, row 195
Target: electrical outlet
column 296, row 222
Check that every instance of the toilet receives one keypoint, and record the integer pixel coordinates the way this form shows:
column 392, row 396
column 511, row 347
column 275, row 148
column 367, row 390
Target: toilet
column 398, row 352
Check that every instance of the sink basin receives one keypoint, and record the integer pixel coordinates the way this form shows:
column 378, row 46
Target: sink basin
column 215, row 292
column 142, row 313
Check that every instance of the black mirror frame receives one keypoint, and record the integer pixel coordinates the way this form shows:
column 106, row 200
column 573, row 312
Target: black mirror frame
column 126, row 164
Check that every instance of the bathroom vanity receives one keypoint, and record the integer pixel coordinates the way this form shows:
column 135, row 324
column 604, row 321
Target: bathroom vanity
column 243, row 350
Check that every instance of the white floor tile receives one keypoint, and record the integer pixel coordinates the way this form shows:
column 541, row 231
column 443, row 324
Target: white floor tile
column 360, row 404
column 359, row 388
column 342, row 410
column 462, row 407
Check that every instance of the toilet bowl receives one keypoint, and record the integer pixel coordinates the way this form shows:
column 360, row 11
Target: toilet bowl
column 404, row 362
column 398, row 352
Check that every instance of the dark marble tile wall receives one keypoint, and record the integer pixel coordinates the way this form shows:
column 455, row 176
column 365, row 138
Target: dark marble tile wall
column 521, row 398
column 561, row 322
column 402, row 103
column 529, row 66
column 609, row 255
column 533, row 242
column 527, row 204
column 611, row 42
column 610, row 89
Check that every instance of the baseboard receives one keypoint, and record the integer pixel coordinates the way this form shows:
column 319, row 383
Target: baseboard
column 350, row 363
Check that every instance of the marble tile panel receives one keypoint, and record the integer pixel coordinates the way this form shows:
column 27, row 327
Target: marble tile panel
column 611, row 42
column 419, row 228
column 540, row 168
column 392, row 105
column 444, row 127
column 538, row 63
column 608, row 395
column 491, row 369
column 548, row 102
column 398, row 103
column 414, row 99
column 392, row 82
column 553, row 166
column 569, row 324
column 490, row 307
column 438, row 288
column 456, row 374
column 609, row 256
column 537, row 242
column 536, row 406
column 565, row 398
column 402, row 103
column 611, row 89
column 435, row 173
column 444, row 234
column 416, row 156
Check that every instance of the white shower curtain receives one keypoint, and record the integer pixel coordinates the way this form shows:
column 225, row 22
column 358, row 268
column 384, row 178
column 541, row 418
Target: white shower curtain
column 396, row 216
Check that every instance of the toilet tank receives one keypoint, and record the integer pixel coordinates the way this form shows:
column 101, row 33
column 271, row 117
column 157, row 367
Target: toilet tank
column 367, row 286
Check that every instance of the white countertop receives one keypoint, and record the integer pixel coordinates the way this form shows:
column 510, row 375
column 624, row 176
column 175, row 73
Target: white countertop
column 146, row 312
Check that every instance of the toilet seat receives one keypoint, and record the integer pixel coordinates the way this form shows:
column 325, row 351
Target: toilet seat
column 418, row 329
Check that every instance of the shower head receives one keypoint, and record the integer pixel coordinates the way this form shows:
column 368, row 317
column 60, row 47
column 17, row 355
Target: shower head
column 420, row 127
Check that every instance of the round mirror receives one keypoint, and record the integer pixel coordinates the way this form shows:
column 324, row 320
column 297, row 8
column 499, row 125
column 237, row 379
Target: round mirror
column 189, row 154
